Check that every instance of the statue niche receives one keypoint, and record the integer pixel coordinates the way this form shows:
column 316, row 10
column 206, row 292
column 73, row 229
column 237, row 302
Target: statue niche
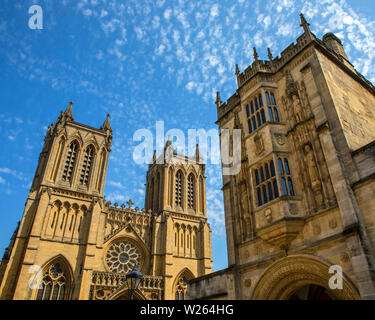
column 313, row 173
column 294, row 102
column 245, row 210
column 297, row 108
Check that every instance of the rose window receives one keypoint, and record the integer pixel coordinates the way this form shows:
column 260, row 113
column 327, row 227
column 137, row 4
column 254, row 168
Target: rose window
column 122, row 256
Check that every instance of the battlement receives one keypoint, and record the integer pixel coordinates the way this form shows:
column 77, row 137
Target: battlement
column 274, row 65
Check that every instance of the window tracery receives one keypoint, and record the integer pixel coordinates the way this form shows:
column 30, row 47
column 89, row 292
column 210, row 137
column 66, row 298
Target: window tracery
column 71, row 158
column 54, row 283
column 86, row 167
column 122, row 256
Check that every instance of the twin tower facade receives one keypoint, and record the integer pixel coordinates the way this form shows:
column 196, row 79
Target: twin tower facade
column 73, row 244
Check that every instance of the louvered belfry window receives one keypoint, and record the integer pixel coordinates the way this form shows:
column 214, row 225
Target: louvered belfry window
column 178, row 190
column 71, row 158
column 190, row 195
column 86, row 167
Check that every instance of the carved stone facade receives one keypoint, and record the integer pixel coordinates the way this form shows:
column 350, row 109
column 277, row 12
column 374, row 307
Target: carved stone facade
column 85, row 246
column 307, row 178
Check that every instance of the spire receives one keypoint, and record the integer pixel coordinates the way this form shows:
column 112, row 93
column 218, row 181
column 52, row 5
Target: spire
column 106, row 125
column 68, row 114
column 255, row 54
column 218, row 100
column 305, row 25
column 168, row 150
column 197, row 155
column 169, row 142
column 270, row 56
column 237, row 70
column 154, row 157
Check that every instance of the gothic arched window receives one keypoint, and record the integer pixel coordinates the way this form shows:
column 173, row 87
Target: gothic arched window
column 178, row 189
column 181, row 288
column 55, row 283
column 191, row 190
column 286, row 178
column 256, row 117
column 273, row 99
column 266, row 183
column 86, row 167
column 70, row 161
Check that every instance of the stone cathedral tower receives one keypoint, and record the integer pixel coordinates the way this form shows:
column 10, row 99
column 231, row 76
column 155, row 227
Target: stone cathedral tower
column 176, row 193
column 62, row 216
column 302, row 206
column 81, row 247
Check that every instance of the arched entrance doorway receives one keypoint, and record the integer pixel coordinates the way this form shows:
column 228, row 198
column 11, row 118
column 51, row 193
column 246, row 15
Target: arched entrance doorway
column 301, row 277
column 124, row 294
column 312, row 292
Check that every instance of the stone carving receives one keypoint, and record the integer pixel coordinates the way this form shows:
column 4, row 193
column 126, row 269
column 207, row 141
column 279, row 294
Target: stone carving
column 354, row 251
column 258, row 251
column 313, row 172
column 280, row 138
column 344, row 257
column 259, row 145
column 245, row 209
column 293, row 271
column 268, row 215
column 247, row 283
column 317, row 230
column 297, row 108
column 332, row 224
column 293, row 209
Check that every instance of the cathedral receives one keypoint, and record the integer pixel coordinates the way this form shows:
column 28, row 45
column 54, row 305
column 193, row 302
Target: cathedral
column 299, row 214
column 73, row 244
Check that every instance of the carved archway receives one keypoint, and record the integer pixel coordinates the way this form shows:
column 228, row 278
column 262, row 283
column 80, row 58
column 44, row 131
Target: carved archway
column 123, row 293
column 180, row 284
column 57, row 280
column 284, row 277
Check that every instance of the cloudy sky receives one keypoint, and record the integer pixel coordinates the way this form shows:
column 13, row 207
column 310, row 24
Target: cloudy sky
column 142, row 62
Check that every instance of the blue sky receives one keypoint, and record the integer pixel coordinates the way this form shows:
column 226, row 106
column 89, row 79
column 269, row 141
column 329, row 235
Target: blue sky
column 142, row 62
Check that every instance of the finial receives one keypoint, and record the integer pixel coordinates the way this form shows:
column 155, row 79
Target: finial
column 169, row 141
column 237, row 70
column 106, row 125
column 270, row 56
column 218, row 100
column 154, row 157
column 197, row 153
column 130, row 203
column 68, row 114
column 305, row 25
column 255, row 54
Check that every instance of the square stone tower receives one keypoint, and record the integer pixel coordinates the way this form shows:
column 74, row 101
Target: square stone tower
column 58, row 234
column 302, row 204
column 73, row 244
column 176, row 193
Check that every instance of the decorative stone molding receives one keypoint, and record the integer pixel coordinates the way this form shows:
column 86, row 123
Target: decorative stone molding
column 317, row 230
column 247, row 283
column 259, row 144
column 332, row 224
column 344, row 257
column 268, row 215
column 280, row 138
column 282, row 232
column 280, row 280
